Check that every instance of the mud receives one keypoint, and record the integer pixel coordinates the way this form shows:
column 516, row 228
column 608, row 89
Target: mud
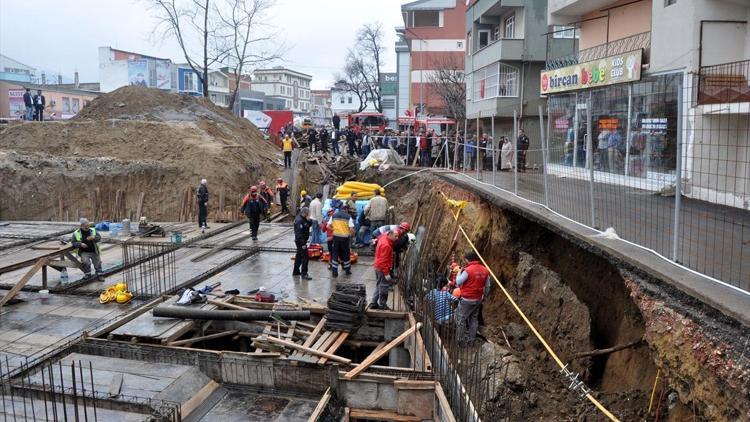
column 581, row 301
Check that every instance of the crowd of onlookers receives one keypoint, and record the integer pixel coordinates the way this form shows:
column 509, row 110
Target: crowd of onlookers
column 423, row 147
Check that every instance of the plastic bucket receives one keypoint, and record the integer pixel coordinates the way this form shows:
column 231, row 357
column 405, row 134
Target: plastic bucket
column 44, row 295
column 177, row 238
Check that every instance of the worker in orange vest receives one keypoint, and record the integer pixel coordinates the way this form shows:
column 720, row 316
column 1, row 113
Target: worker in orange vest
column 282, row 188
column 474, row 282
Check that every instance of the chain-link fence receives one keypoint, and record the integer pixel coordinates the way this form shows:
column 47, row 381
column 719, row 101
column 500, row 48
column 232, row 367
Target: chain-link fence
column 615, row 157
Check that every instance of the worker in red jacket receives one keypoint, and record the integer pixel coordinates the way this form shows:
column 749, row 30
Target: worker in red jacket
column 383, row 264
column 474, row 284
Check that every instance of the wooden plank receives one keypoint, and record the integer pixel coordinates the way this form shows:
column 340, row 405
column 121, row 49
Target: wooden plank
column 374, row 357
column 381, row 415
column 139, row 208
column 227, row 305
column 445, row 407
column 420, row 354
column 202, row 338
column 195, row 401
column 414, row 385
column 309, row 350
column 22, row 282
column 321, row 406
column 335, row 346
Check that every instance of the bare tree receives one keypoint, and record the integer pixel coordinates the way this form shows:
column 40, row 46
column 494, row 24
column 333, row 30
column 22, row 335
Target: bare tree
column 352, row 81
column 363, row 63
column 449, row 83
column 190, row 22
column 245, row 36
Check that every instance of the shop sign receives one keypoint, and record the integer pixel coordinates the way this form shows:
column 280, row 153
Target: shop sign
column 610, row 70
column 562, row 123
column 609, row 123
column 654, row 123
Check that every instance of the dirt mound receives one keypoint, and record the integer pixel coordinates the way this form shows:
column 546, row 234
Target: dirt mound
column 130, row 144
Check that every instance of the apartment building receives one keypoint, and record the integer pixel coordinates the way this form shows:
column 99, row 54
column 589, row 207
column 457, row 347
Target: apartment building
column 291, row 86
column 506, row 51
column 13, row 70
column 321, row 113
column 432, row 38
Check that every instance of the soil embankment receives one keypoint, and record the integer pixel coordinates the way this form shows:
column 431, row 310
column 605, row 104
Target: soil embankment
column 130, row 144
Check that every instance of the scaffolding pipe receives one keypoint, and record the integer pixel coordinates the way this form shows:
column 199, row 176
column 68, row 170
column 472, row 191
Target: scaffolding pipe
column 216, row 315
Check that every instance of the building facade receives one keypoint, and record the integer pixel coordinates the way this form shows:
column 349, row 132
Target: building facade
column 13, row 70
column 218, row 88
column 434, row 36
column 118, row 68
column 671, row 104
column 321, row 112
column 63, row 102
column 345, row 102
column 505, row 54
column 291, row 86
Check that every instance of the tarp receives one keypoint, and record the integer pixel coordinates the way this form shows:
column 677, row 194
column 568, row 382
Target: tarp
column 258, row 118
column 382, row 156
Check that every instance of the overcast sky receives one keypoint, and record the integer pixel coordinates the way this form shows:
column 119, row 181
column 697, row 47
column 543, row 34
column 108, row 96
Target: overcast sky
column 60, row 37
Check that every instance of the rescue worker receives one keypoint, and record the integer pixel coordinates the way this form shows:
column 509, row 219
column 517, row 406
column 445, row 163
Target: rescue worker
column 287, row 146
column 474, row 283
column 403, row 238
column 382, row 265
column 203, row 204
column 302, row 226
column 327, row 228
column 343, row 227
column 282, row 188
column 85, row 240
column 252, row 207
column 324, row 137
column 312, row 139
column 267, row 194
column 316, row 216
column 376, row 210
column 304, row 199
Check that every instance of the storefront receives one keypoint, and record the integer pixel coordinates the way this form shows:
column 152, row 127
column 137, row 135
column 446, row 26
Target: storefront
column 634, row 118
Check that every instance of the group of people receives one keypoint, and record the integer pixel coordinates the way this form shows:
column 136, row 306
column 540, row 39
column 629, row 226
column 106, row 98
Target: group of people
column 509, row 155
column 256, row 204
column 34, row 105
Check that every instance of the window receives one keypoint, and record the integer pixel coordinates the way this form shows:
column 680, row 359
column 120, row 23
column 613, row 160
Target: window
column 510, row 26
column 484, row 38
column 342, row 99
column 349, row 100
column 496, row 33
column 563, row 31
column 468, row 43
column 495, row 80
column 66, row 105
column 669, row 2
column 425, row 18
column 459, row 44
column 389, row 103
column 76, row 105
column 188, row 81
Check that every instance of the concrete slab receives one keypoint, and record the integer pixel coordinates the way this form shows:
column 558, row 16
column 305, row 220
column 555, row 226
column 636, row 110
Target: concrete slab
column 242, row 406
column 38, row 410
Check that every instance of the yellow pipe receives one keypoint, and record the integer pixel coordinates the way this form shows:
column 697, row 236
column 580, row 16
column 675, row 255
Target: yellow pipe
column 525, row 318
column 653, row 391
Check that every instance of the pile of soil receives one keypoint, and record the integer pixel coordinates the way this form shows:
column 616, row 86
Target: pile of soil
column 130, row 144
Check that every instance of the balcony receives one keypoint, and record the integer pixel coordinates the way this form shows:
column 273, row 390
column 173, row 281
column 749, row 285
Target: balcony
column 560, row 59
column 504, row 49
column 724, row 83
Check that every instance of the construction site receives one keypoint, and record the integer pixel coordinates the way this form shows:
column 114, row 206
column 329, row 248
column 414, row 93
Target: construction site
column 576, row 327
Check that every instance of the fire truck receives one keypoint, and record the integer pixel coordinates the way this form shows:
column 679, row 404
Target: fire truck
column 367, row 121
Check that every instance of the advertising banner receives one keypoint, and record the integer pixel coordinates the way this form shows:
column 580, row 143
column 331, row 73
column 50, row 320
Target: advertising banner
column 138, row 72
column 163, row 75
column 610, row 70
column 258, row 118
column 15, row 102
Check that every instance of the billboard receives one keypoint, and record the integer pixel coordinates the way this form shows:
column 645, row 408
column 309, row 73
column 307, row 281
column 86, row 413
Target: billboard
column 620, row 68
column 138, row 72
column 15, row 102
column 163, row 75
column 388, row 83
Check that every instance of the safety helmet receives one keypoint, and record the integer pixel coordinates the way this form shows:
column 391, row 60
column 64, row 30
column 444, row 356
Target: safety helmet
column 412, row 238
column 253, row 189
column 123, row 297
column 121, row 287
column 405, row 226
column 303, row 193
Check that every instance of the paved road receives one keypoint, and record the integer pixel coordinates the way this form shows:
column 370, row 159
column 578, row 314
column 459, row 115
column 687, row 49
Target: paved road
column 712, row 239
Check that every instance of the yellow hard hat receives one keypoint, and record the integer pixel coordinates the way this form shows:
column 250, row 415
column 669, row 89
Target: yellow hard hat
column 124, row 297
column 121, row 287
column 303, row 193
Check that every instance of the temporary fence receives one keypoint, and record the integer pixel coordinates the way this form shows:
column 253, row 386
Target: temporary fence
column 648, row 141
